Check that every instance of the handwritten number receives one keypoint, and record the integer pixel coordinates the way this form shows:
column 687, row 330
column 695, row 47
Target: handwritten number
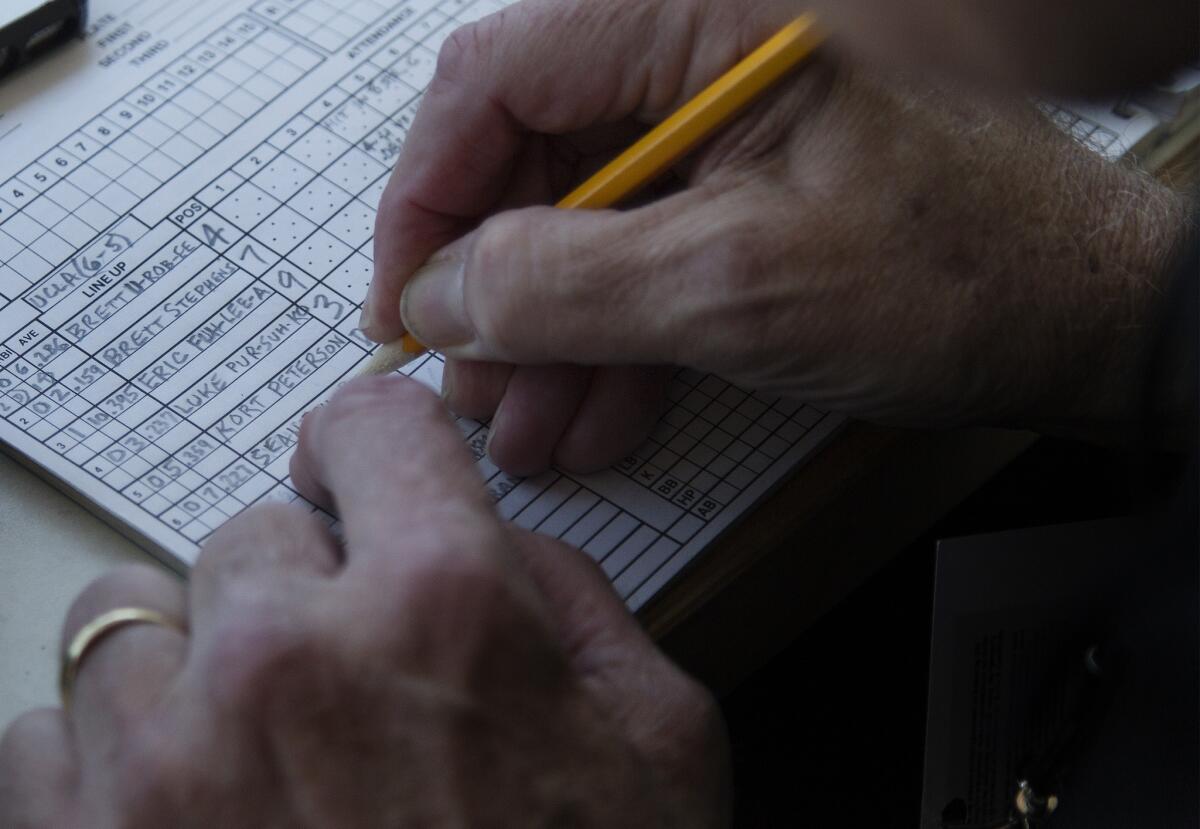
column 214, row 236
column 322, row 301
column 250, row 251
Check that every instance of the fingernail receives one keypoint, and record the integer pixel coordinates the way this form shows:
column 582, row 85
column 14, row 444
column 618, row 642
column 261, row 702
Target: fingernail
column 487, row 444
column 447, row 384
column 433, row 308
column 364, row 318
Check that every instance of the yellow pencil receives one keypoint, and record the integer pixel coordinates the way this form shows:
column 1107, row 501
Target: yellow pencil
column 666, row 144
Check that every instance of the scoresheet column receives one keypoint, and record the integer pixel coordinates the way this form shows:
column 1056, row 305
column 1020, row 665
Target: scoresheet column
column 242, row 395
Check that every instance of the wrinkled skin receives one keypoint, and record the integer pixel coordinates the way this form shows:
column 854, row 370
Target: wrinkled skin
column 440, row 669
column 859, row 239
column 899, row 252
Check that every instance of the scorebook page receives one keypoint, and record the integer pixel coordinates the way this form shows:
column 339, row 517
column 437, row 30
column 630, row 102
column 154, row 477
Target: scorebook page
column 187, row 201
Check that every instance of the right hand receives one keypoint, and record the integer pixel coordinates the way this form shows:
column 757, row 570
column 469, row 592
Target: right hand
column 894, row 252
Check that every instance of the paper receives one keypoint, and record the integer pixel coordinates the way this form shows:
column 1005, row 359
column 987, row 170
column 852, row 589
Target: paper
column 1134, row 125
column 186, row 211
column 20, row 8
column 1100, row 128
column 1062, row 654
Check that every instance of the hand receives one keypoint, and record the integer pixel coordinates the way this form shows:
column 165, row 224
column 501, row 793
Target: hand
column 514, row 117
column 439, row 669
column 895, row 252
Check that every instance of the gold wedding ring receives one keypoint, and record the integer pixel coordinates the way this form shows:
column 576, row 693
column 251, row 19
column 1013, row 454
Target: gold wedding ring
column 90, row 635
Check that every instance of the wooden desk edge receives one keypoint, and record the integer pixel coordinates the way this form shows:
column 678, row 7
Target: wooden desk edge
column 808, row 545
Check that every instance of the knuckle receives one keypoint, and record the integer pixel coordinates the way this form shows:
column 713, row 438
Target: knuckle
column 150, row 774
column 387, row 399
column 738, row 250
column 254, row 529
column 459, row 575
column 470, row 595
column 256, row 648
column 271, row 519
column 24, row 734
column 682, row 729
column 367, row 406
column 738, row 300
column 391, row 200
column 129, row 584
column 495, row 301
column 36, row 757
column 263, row 521
column 305, row 441
column 698, row 705
column 360, row 396
column 467, row 51
column 696, row 717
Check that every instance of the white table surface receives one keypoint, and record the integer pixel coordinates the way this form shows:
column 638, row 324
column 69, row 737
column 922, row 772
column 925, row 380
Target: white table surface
column 52, row 548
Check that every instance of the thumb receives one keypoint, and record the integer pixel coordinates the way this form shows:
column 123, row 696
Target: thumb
column 544, row 285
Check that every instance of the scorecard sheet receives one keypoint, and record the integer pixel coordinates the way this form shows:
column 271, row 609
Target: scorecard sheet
column 187, row 202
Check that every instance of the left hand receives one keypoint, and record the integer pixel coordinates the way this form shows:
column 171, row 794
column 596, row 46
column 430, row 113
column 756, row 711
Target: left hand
column 440, row 668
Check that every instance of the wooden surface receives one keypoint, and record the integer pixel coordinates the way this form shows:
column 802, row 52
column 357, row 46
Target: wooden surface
column 861, row 501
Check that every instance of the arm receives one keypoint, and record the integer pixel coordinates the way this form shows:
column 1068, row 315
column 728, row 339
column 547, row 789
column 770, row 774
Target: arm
column 897, row 251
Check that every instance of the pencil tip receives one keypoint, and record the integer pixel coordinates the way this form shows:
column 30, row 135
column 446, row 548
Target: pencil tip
column 388, row 358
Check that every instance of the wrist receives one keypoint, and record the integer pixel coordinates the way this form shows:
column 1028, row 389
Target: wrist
column 1099, row 306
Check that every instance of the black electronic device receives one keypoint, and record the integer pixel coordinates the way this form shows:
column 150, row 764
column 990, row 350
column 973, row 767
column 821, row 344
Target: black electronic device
column 29, row 28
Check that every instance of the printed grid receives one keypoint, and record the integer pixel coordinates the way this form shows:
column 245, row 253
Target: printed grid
column 149, row 452
column 166, row 447
column 709, row 470
column 1085, row 131
column 271, row 253
column 713, row 443
column 330, row 25
column 59, row 203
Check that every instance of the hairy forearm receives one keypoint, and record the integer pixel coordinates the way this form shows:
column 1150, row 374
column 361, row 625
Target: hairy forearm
column 1095, row 304
column 1033, row 270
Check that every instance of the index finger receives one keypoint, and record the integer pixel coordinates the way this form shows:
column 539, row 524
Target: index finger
column 541, row 66
column 386, row 455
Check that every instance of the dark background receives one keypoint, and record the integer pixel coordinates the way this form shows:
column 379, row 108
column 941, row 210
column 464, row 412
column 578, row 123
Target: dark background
column 830, row 733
